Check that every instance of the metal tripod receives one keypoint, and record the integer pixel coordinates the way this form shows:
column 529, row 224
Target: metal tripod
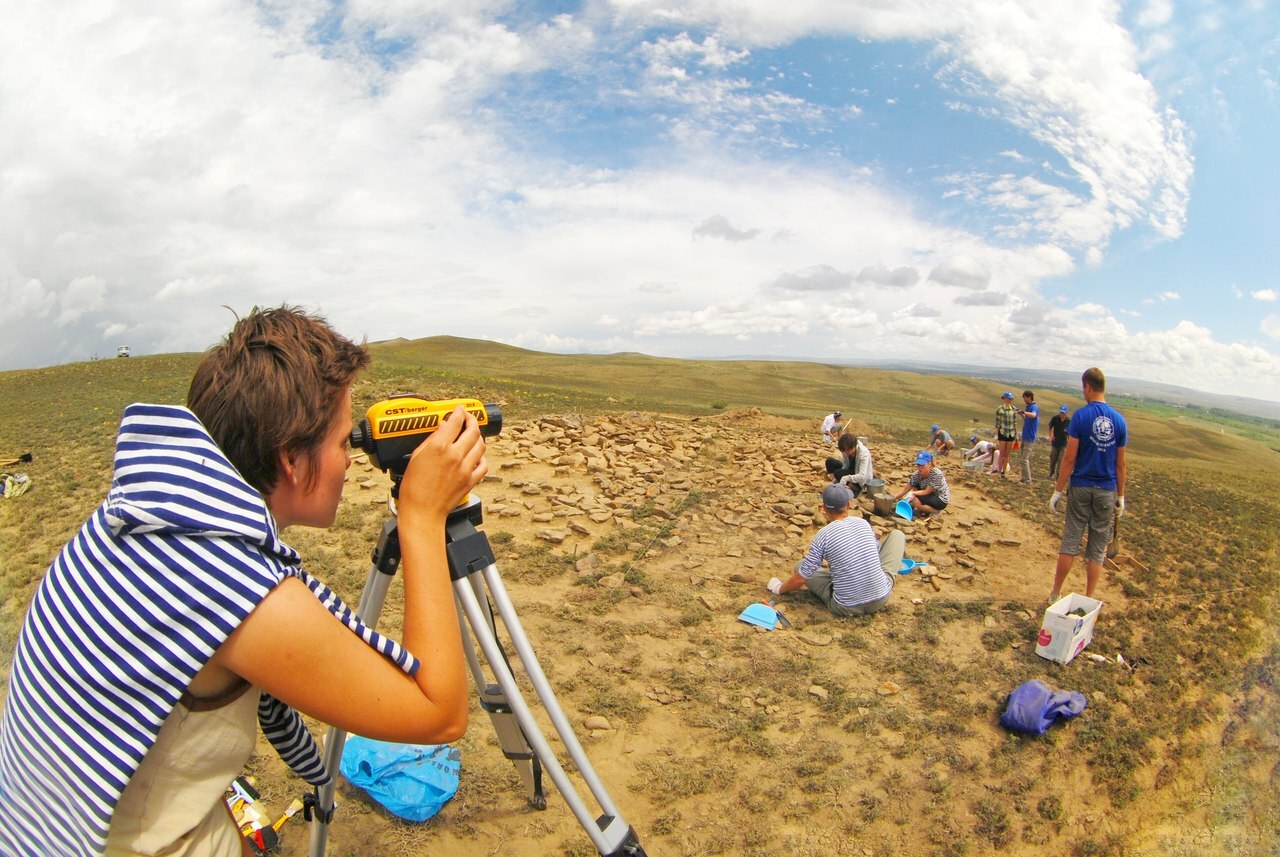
column 472, row 568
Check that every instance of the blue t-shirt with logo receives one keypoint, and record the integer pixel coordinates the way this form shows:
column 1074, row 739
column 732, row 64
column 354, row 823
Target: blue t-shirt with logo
column 1030, row 422
column 1100, row 431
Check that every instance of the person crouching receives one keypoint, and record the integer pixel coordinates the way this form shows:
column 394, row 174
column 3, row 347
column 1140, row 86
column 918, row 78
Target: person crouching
column 927, row 489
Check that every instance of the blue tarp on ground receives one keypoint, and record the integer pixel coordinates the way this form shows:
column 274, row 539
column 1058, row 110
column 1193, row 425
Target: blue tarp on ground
column 1034, row 706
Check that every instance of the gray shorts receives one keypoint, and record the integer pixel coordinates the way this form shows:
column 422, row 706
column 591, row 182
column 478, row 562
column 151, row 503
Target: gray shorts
column 1091, row 509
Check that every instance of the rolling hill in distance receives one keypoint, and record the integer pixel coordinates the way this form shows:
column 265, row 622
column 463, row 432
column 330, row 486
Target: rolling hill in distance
column 1133, row 388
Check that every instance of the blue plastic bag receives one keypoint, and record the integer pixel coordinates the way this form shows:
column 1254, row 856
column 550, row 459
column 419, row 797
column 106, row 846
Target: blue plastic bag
column 411, row 780
column 1034, row 706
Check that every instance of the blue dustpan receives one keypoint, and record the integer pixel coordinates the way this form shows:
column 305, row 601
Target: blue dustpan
column 909, row 565
column 903, row 510
column 760, row 614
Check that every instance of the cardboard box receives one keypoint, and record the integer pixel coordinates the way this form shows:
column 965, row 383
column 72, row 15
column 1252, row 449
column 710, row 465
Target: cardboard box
column 1063, row 636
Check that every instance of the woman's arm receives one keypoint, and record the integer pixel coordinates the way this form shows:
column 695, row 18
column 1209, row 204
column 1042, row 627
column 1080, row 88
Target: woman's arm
column 291, row 647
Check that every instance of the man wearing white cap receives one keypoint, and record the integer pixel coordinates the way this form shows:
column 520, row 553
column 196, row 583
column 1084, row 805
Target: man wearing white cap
column 860, row 573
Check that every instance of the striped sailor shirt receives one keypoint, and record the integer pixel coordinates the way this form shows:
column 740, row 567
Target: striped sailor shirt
column 849, row 547
column 176, row 557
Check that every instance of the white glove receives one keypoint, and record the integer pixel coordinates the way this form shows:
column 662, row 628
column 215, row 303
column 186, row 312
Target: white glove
column 1119, row 507
column 775, row 586
column 1053, row 501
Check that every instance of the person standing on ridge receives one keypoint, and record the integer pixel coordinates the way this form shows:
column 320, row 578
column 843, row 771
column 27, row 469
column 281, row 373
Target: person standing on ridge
column 1095, row 464
column 1030, row 413
column 1058, row 435
column 1006, row 433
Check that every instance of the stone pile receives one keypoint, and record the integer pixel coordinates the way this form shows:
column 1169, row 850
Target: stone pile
column 739, row 494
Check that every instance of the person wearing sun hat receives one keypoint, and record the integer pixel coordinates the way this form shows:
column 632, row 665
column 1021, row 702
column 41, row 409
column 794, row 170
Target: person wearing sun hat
column 927, row 489
column 1058, row 435
column 860, row 572
column 1006, row 432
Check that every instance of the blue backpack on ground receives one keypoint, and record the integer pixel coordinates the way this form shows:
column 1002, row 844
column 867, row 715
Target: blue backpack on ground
column 1034, row 706
column 411, row 780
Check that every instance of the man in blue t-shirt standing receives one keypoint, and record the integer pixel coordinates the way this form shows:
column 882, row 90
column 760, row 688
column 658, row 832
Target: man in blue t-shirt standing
column 1095, row 462
column 1030, row 413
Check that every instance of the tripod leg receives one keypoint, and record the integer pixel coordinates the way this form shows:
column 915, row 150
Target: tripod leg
column 609, row 833
column 511, row 738
column 386, row 559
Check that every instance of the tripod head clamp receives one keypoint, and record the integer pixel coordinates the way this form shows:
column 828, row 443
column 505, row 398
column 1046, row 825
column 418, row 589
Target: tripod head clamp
column 393, row 428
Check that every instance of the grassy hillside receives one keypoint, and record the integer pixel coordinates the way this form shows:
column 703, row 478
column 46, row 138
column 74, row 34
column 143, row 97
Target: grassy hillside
column 1202, row 521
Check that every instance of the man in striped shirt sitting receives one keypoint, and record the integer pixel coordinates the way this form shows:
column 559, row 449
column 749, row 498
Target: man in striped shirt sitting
column 859, row 575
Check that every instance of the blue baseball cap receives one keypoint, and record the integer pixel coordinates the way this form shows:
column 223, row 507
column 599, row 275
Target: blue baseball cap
column 1007, row 395
column 933, row 427
column 924, row 456
column 973, row 438
column 1062, row 409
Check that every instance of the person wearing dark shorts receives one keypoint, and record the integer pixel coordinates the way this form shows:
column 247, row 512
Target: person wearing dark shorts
column 1006, row 432
column 1095, row 463
column 927, row 489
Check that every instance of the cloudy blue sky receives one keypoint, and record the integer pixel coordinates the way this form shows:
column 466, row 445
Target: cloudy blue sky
column 1007, row 182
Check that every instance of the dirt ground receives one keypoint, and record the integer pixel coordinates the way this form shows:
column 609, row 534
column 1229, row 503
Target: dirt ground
column 629, row 546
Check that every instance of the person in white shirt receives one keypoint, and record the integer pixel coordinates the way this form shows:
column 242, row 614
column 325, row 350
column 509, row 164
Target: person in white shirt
column 831, row 427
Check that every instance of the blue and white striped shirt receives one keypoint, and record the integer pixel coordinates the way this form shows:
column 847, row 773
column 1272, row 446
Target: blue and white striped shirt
column 850, row 549
column 132, row 608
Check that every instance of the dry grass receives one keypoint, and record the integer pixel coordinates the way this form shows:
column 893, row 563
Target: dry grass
column 1189, row 737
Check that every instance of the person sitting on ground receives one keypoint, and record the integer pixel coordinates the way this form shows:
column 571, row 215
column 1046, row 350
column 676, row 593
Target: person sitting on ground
column 927, row 489
column 831, row 428
column 853, row 468
column 860, row 573
column 982, row 450
column 177, row 620
column 942, row 442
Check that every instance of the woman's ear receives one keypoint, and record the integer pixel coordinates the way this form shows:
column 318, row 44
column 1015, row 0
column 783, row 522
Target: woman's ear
column 288, row 466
